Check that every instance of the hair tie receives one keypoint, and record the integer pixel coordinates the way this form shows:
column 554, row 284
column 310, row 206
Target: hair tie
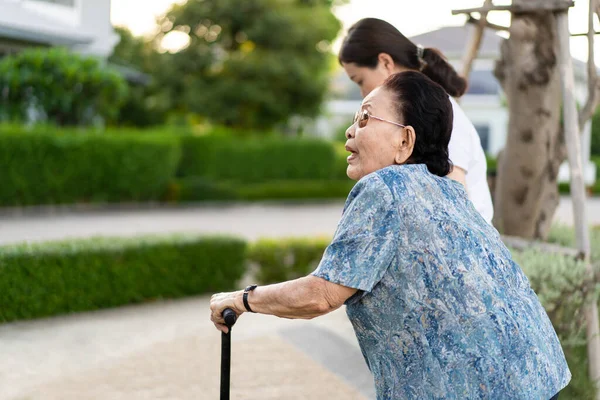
column 420, row 51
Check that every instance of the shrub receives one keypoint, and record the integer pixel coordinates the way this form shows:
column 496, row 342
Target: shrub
column 199, row 189
column 565, row 236
column 59, row 86
column 281, row 260
column 47, row 167
column 286, row 190
column 253, row 160
column 63, row 277
column 492, row 164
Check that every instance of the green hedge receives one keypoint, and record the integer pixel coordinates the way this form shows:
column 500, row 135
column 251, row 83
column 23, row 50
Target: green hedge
column 281, row 260
column 253, row 160
column 200, row 189
column 49, row 167
column 64, row 277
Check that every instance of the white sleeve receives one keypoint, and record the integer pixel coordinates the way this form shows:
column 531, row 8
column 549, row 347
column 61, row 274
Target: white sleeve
column 460, row 147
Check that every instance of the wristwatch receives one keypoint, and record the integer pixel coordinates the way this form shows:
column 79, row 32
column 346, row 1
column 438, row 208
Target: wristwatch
column 245, row 297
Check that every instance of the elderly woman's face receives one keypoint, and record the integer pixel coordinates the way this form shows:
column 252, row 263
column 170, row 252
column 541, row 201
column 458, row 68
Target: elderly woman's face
column 376, row 139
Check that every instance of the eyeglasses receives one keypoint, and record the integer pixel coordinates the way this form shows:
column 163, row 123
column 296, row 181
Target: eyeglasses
column 362, row 117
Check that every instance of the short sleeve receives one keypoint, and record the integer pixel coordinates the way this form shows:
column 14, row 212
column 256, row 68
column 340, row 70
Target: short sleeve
column 460, row 148
column 365, row 241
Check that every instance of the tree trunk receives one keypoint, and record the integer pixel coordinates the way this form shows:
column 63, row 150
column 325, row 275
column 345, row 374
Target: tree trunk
column 526, row 189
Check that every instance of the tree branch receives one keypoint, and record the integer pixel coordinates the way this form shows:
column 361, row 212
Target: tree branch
column 593, row 85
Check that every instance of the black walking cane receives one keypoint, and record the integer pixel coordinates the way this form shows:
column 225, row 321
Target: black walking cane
column 229, row 317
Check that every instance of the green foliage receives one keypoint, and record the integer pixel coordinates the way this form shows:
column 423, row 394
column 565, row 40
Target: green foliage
column 596, row 135
column 256, row 160
column 565, row 236
column 60, row 87
column 64, row 277
column 147, row 104
column 492, row 164
column 282, row 260
column 199, row 189
column 557, row 281
column 249, row 64
column 47, row 166
column 291, row 190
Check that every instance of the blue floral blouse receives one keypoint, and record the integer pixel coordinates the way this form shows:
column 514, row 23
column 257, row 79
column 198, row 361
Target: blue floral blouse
column 442, row 311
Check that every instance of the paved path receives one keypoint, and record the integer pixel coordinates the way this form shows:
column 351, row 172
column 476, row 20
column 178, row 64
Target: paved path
column 170, row 350
column 249, row 221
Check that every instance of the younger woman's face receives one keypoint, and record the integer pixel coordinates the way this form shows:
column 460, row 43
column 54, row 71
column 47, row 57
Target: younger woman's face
column 366, row 78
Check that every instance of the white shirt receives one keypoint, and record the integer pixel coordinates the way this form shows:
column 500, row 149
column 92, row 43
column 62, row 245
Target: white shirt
column 466, row 153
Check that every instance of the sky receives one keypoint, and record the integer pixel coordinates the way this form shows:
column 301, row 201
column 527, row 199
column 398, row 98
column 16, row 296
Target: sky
column 410, row 17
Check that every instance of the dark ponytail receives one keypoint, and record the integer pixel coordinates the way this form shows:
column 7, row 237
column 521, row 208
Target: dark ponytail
column 370, row 37
column 439, row 70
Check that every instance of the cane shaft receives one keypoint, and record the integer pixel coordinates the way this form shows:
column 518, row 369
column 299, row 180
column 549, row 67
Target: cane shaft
column 225, row 364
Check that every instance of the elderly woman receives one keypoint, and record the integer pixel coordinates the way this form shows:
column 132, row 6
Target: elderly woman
column 440, row 309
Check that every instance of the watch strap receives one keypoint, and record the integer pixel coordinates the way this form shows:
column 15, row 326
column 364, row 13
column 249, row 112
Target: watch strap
column 245, row 297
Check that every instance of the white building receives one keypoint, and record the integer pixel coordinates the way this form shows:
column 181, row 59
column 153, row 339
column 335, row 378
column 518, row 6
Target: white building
column 81, row 25
column 484, row 102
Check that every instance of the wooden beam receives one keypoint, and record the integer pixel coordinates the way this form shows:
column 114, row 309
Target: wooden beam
column 591, row 102
column 475, row 42
column 582, row 232
column 584, row 34
column 475, row 20
column 531, row 6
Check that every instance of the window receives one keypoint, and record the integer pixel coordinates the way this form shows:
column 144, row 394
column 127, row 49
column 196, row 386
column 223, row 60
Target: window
column 67, row 3
column 484, row 135
column 483, row 82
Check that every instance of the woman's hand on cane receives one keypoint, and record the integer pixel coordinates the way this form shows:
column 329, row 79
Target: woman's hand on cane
column 221, row 301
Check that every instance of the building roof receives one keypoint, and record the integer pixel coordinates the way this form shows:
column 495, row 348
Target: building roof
column 23, row 24
column 452, row 41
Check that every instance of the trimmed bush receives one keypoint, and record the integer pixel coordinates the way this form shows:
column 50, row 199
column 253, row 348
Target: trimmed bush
column 291, row 190
column 48, row 167
column 64, row 277
column 200, row 189
column 282, row 260
column 253, row 160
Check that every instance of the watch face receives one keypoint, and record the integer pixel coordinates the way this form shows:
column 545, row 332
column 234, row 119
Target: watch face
column 250, row 288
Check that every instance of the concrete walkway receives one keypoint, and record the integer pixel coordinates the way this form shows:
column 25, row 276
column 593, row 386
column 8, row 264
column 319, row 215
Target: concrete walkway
column 249, row 221
column 170, row 350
